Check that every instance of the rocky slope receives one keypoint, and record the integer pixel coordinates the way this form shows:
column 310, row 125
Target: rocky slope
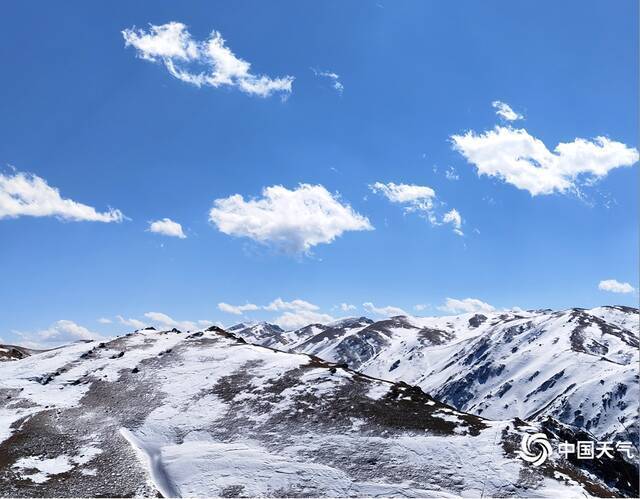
column 206, row 414
column 14, row 352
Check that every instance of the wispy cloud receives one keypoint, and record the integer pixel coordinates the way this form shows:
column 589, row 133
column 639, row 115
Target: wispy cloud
column 297, row 313
column 505, row 112
column 300, row 318
column 417, row 196
column 347, row 307
column 293, row 314
column 280, row 304
column 237, row 309
column 334, row 78
column 25, row 194
column 167, row 227
column 614, row 286
column 414, row 198
column 60, row 333
column 388, row 311
column 290, row 220
column 201, row 63
column 161, row 320
column 451, row 174
column 453, row 217
column 134, row 323
column 419, row 199
column 466, row 305
column 518, row 158
column 165, row 321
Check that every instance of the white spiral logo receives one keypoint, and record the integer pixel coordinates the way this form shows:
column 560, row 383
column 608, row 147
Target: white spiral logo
column 535, row 449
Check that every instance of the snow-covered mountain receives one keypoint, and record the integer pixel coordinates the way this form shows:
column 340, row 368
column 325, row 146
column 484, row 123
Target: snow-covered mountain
column 579, row 366
column 272, row 335
column 206, row 414
column 261, row 333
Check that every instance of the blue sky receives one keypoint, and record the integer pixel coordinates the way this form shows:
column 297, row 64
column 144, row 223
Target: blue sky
column 107, row 125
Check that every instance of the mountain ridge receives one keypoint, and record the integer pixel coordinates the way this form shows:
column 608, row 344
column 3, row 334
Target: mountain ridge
column 484, row 363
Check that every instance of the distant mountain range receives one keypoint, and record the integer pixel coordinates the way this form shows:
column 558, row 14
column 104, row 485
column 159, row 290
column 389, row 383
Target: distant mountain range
column 578, row 366
column 405, row 406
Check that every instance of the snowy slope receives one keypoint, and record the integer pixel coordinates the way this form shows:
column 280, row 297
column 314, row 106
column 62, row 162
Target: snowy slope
column 579, row 366
column 206, row 414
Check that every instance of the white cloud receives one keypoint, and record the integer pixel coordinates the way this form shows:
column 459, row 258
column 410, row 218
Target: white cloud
column 505, row 112
column 279, row 304
column 414, row 198
column 388, row 311
column 134, row 323
column 294, row 314
column 614, row 286
column 333, row 77
column 60, row 333
column 291, row 220
column 104, row 320
column 201, row 63
column 167, row 227
column 301, row 318
column 347, row 307
column 25, row 194
column 453, row 217
column 518, row 158
column 451, row 174
column 163, row 320
column 237, row 309
column 420, row 199
column 412, row 194
column 167, row 41
column 420, row 307
column 466, row 305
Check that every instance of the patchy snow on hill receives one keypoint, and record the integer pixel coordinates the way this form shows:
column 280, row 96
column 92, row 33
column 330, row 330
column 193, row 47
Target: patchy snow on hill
column 206, row 414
